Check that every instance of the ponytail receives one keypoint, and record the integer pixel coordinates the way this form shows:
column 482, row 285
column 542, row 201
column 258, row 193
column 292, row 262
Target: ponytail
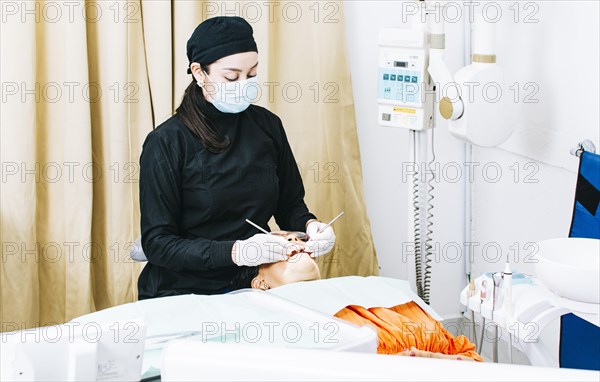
column 191, row 115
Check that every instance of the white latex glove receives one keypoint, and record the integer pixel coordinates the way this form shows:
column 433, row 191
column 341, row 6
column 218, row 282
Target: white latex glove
column 320, row 243
column 263, row 249
column 137, row 253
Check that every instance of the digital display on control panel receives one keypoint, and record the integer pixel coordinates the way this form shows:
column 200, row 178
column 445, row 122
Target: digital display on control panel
column 401, row 64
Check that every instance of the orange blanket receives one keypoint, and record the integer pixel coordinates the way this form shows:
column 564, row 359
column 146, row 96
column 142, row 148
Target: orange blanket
column 407, row 325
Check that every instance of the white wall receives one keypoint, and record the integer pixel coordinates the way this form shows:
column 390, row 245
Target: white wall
column 558, row 53
column 532, row 199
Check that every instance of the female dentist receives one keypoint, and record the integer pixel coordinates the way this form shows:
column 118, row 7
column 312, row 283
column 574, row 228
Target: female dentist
column 218, row 161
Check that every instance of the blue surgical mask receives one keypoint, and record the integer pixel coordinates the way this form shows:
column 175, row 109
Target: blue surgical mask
column 232, row 97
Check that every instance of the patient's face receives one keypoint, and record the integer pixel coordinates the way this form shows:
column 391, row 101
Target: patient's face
column 299, row 267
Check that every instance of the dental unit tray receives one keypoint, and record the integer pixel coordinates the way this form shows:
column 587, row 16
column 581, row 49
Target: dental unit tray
column 534, row 307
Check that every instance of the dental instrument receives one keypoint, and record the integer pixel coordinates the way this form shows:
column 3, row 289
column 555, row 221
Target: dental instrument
column 470, row 294
column 497, row 277
column 507, row 275
column 258, row 227
column 330, row 223
column 482, row 297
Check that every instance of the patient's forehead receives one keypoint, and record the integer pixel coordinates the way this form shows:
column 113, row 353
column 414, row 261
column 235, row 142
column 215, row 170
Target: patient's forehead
column 292, row 235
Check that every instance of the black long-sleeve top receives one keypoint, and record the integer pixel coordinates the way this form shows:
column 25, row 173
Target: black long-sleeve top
column 194, row 203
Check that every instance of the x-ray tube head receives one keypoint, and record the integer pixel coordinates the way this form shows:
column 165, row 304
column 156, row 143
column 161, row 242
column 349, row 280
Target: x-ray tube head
column 488, row 116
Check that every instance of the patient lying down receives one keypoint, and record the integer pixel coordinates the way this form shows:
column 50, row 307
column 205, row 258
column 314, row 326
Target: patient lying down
column 403, row 329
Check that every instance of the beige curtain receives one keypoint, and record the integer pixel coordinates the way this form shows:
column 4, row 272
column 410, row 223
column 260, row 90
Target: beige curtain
column 83, row 83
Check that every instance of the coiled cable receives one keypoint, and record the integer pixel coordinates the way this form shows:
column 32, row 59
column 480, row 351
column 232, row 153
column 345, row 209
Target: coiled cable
column 429, row 225
column 423, row 258
column 417, row 218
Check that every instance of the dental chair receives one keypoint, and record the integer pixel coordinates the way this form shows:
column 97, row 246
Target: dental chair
column 579, row 339
column 137, row 253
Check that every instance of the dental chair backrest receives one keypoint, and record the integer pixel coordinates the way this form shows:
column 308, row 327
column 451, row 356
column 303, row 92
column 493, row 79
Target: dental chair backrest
column 137, row 252
column 579, row 339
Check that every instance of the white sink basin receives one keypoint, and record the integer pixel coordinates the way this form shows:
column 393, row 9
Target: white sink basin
column 570, row 268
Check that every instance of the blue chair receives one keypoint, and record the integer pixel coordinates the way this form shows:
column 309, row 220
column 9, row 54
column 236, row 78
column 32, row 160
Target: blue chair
column 579, row 339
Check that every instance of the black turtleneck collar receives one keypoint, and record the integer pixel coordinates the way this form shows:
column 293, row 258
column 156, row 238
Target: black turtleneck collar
column 213, row 113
